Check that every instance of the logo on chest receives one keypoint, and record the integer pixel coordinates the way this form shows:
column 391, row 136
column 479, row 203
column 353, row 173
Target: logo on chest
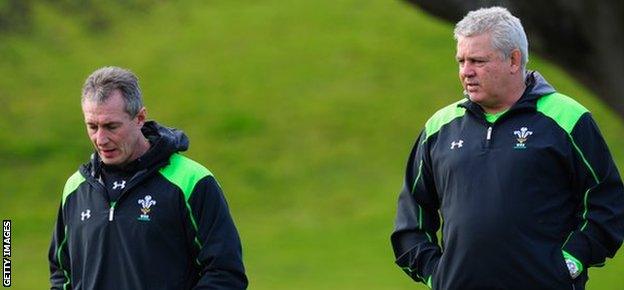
column 457, row 144
column 119, row 185
column 147, row 202
column 85, row 215
column 523, row 135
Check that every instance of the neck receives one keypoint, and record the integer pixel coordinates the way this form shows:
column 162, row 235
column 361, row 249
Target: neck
column 510, row 98
column 144, row 145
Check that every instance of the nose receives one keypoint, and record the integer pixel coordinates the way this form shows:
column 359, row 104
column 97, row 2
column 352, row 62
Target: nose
column 466, row 70
column 100, row 137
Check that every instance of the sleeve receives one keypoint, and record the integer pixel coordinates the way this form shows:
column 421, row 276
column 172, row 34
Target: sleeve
column 58, row 256
column 601, row 227
column 414, row 239
column 219, row 251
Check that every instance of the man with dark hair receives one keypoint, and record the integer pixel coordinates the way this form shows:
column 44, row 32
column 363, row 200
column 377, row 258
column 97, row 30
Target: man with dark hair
column 139, row 214
column 519, row 174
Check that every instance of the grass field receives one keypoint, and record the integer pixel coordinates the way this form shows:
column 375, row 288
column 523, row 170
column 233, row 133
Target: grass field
column 304, row 110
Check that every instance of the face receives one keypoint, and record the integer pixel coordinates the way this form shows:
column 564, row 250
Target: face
column 485, row 75
column 116, row 135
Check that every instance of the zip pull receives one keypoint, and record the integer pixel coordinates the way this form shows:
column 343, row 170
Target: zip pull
column 489, row 134
column 111, row 211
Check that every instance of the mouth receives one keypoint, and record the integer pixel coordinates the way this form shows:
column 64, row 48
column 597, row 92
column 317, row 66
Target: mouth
column 471, row 87
column 107, row 153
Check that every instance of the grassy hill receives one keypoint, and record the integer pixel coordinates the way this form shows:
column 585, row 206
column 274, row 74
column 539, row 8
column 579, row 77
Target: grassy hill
column 304, row 110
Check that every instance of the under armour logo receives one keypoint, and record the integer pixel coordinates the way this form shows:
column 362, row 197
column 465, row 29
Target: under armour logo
column 119, row 185
column 457, row 144
column 85, row 215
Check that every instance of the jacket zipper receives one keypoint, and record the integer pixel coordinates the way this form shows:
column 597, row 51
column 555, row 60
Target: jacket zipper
column 111, row 210
column 488, row 136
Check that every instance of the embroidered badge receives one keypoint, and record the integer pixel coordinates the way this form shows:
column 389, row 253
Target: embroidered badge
column 146, row 204
column 523, row 134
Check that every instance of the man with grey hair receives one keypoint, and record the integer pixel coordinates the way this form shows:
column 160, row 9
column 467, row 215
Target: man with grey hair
column 139, row 214
column 519, row 173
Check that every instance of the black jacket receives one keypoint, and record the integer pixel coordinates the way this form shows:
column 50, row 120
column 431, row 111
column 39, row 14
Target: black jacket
column 511, row 194
column 169, row 229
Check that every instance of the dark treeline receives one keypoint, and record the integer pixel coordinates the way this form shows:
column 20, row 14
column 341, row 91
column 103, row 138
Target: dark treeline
column 16, row 16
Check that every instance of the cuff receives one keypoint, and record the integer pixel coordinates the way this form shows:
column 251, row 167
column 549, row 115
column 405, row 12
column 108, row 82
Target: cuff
column 429, row 283
column 578, row 247
column 574, row 260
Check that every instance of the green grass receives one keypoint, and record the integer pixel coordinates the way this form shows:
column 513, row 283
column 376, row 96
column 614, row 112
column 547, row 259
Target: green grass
column 304, row 110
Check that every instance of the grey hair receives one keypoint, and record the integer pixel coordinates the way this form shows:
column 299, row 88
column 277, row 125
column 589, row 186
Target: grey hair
column 506, row 30
column 102, row 82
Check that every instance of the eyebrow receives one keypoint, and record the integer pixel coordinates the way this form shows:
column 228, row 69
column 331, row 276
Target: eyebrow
column 103, row 124
column 473, row 58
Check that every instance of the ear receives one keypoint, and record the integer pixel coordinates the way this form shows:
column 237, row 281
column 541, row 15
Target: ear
column 516, row 61
column 141, row 116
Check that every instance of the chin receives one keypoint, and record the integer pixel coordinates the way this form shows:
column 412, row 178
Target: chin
column 109, row 162
column 477, row 98
column 474, row 98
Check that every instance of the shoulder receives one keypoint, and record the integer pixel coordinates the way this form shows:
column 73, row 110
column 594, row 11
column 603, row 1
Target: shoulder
column 443, row 117
column 564, row 110
column 184, row 172
column 72, row 184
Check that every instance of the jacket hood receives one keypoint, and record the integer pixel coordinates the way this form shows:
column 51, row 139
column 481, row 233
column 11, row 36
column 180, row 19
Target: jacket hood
column 164, row 142
column 536, row 87
column 165, row 138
